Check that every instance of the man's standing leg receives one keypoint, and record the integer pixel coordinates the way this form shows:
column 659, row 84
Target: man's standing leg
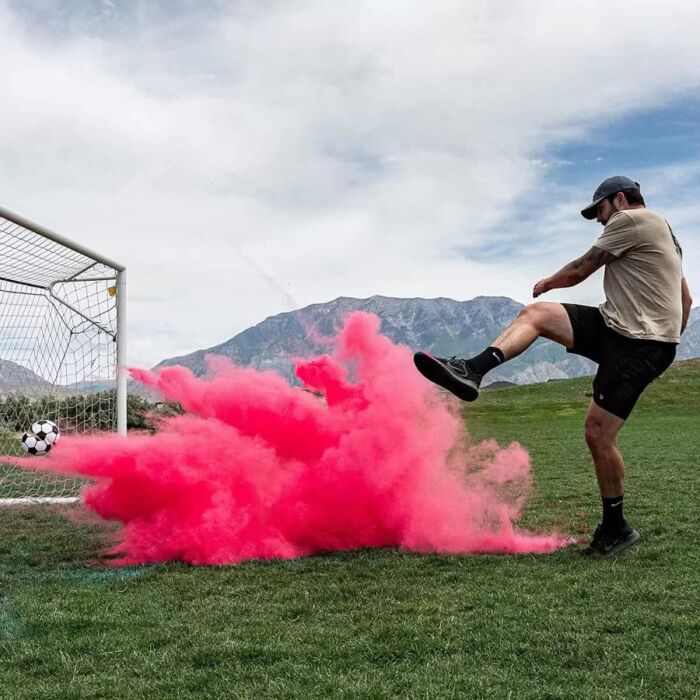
column 613, row 535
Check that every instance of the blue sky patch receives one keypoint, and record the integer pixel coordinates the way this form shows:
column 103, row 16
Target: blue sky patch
column 647, row 138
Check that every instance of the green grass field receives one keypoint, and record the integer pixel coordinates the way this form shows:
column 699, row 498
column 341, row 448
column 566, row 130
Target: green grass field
column 375, row 624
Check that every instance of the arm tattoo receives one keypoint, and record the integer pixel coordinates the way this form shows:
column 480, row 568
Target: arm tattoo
column 580, row 269
column 592, row 260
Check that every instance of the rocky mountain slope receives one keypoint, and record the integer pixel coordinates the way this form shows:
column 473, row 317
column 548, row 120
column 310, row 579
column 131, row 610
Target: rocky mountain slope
column 443, row 326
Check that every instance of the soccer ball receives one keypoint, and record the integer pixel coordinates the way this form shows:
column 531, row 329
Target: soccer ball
column 47, row 431
column 33, row 445
column 44, row 434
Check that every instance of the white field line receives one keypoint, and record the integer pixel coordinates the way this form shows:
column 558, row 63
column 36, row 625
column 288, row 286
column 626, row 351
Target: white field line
column 39, row 501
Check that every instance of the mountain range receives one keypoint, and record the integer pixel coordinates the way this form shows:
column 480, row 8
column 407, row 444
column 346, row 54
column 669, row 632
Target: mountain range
column 443, row 326
column 16, row 378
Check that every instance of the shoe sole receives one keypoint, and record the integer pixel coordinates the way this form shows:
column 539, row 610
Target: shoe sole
column 617, row 549
column 431, row 368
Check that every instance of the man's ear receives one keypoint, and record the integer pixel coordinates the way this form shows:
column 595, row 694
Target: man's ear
column 621, row 200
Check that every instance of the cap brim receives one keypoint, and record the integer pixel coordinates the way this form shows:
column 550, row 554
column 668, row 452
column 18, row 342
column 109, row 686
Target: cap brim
column 591, row 211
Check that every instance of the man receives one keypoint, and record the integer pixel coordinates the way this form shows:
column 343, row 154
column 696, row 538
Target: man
column 632, row 336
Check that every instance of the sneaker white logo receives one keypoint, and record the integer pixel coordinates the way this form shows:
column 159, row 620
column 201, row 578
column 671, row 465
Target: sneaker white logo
column 601, row 397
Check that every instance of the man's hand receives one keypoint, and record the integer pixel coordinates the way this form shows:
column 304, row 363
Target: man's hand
column 575, row 272
column 540, row 288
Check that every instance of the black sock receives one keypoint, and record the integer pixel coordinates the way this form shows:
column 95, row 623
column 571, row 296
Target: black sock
column 487, row 360
column 612, row 514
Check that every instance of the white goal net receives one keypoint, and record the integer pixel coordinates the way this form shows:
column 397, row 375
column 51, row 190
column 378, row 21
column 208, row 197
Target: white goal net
column 61, row 347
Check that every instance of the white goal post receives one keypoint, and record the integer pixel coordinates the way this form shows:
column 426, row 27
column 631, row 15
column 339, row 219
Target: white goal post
column 62, row 348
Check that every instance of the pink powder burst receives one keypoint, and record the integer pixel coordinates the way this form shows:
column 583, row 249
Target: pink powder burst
column 369, row 455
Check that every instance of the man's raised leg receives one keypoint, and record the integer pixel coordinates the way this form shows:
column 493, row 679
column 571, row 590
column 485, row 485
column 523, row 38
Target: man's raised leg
column 463, row 376
column 539, row 320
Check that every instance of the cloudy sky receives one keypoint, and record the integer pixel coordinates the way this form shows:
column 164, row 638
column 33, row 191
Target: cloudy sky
column 244, row 158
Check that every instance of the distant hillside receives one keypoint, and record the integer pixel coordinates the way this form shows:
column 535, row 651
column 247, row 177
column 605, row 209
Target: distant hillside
column 505, row 385
column 15, row 377
column 443, row 326
column 690, row 341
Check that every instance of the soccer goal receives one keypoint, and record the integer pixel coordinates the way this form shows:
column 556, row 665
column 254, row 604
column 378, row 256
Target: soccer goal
column 62, row 343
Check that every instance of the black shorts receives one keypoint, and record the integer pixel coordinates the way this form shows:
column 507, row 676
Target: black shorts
column 625, row 366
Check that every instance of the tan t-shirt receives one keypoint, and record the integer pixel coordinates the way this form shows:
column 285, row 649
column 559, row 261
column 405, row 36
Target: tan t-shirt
column 643, row 285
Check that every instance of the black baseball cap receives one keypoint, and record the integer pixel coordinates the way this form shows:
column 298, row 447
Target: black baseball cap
column 613, row 185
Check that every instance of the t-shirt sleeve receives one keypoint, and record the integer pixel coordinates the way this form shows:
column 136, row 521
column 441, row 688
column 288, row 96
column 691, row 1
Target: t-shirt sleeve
column 619, row 235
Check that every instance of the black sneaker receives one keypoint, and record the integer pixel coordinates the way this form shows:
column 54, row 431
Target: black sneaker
column 609, row 544
column 453, row 374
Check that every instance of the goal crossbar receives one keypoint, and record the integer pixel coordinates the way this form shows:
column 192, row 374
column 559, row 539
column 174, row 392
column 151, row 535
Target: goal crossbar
column 24, row 222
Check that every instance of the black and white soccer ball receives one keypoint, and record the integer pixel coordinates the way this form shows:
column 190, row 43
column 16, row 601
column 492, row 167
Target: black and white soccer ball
column 34, row 445
column 47, row 431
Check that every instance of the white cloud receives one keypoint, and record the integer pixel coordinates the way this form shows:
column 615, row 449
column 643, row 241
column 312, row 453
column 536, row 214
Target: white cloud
column 344, row 148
